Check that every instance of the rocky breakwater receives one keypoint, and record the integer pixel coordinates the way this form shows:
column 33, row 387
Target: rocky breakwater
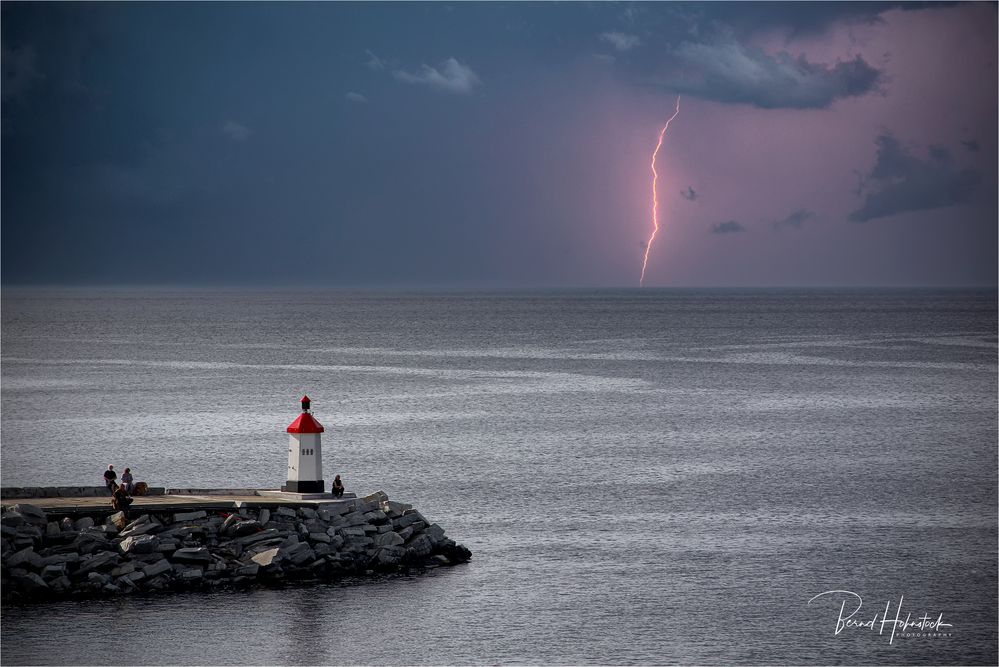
column 98, row 555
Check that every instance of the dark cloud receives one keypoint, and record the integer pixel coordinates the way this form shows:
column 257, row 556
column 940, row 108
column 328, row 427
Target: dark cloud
column 972, row 145
column 730, row 72
column 690, row 194
column 795, row 220
column 900, row 181
column 729, row 227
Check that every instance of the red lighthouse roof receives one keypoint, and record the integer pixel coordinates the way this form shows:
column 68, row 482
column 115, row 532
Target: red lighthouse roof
column 305, row 423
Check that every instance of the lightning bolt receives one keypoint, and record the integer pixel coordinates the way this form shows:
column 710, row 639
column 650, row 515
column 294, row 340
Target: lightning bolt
column 655, row 196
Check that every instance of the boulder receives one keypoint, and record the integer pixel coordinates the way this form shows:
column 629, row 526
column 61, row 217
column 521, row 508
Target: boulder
column 376, row 497
column 29, row 582
column 435, row 533
column 141, row 529
column 104, row 559
column 12, row 519
column 83, row 523
column 125, row 568
column 265, row 534
column 229, row 522
column 351, row 532
column 55, row 559
column 196, row 555
column 189, row 516
column 266, row 558
column 265, row 516
column 408, row 519
column 118, row 520
column 192, row 574
column 247, row 570
column 53, row 571
column 25, row 557
column 388, row 539
column 355, row 519
column 307, row 513
column 285, row 511
column 319, row 537
column 248, row 527
column 143, row 518
column 159, row 567
column 376, row 516
column 139, row 544
column 134, row 577
column 61, row 584
column 52, row 529
column 31, row 513
column 419, row 546
column 389, row 556
column 98, row 579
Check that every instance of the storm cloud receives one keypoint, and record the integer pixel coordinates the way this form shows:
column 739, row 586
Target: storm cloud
column 795, row 220
column 728, row 227
column 729, row 72
column 901, row 181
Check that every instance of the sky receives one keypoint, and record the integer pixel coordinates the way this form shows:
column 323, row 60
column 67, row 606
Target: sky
column 498, row 144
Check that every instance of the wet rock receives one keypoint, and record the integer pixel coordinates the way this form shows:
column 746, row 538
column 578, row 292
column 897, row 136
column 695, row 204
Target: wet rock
column 12, row 519
column 29, row 582
column 125, row 568
column 388, row 539
column 60, row 585
column 53, row 571
column 159, row 567
column 52, row 529
column 98, row 579
column 247, row 570
column 285, row 511
column 408, row 519
column 139, row 544
column 419, row 546
column 55, row 559
column 192, row 574
column 375, row 516
column 103, row 560
column 198, row 555
column 435, row 533
column 319, row 537
column 134, row 577
column 264, row 517
column 307, row 513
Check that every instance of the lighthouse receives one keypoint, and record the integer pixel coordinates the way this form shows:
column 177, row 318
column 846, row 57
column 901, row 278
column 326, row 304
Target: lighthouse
column 305, row 453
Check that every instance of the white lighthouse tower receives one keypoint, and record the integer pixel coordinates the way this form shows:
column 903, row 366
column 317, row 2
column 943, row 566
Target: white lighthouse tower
column 305, row 453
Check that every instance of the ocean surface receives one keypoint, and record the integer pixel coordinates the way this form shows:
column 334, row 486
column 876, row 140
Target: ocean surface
column 654, row 476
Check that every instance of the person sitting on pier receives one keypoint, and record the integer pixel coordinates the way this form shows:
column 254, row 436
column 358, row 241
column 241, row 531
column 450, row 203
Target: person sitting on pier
column 120, row 501
column 109, row 478
column 337, row 488
column 126, row 480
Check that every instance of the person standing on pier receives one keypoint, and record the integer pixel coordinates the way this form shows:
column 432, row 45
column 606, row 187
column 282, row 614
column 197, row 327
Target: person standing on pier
column 109, row 479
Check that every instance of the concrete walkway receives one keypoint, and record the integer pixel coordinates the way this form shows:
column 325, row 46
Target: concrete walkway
column 168, row 503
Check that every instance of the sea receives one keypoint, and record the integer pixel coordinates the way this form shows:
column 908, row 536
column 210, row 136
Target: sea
column 655, row 476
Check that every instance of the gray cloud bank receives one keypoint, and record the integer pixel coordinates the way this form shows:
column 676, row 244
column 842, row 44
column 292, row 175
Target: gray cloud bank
column 729, row 72
column 795, row 220
column 729, row 227
column 900, row 181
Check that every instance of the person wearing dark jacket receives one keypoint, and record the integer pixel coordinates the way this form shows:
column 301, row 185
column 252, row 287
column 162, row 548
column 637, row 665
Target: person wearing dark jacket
column 337, row 488
column 109, row 478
